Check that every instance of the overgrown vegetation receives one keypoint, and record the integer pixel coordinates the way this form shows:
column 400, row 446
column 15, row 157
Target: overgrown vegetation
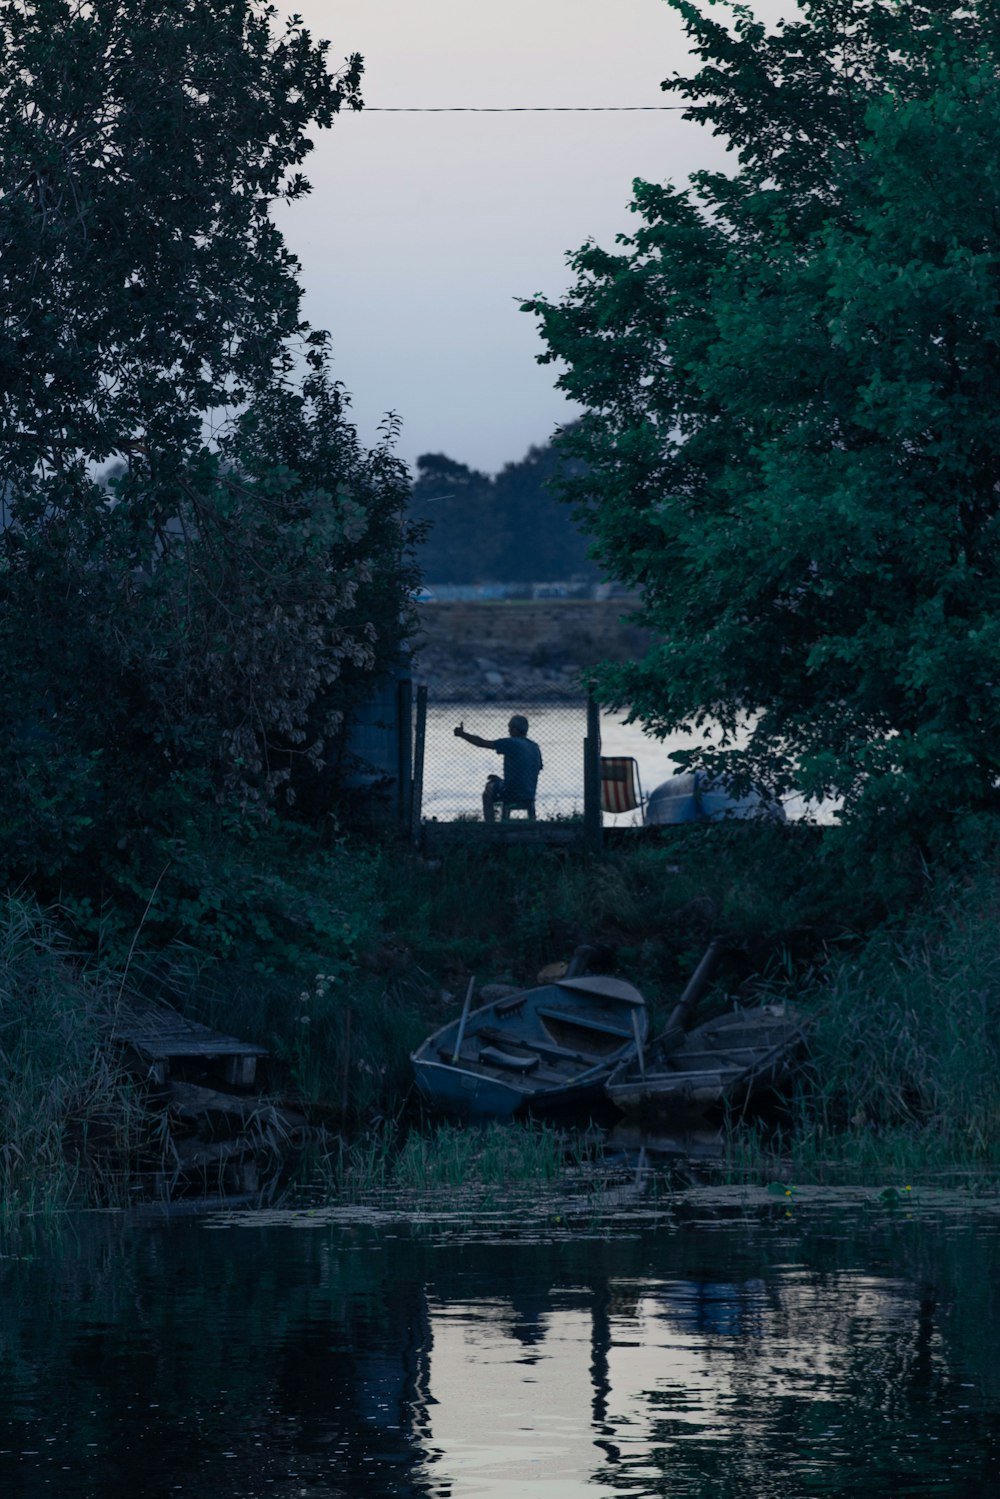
column 201, row 569
column 907, row 1043
column 771, row 890
column 787, row 445
column 70, row 1119
column 903, row 983
column 494, row 1157
column 905, row 1059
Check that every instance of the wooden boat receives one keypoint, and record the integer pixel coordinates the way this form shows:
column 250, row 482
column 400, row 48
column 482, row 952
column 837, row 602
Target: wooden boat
column 537, row 1049
column 723, row 1063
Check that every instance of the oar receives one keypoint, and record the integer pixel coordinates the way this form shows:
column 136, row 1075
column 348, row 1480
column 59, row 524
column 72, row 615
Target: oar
column 638, row 1041
column 680, row 1016
column 461, row 1024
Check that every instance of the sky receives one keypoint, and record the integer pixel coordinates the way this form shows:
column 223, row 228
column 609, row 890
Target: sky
column 423, row 232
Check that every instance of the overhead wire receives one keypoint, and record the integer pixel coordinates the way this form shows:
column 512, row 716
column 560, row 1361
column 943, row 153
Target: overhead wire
column 514, row 109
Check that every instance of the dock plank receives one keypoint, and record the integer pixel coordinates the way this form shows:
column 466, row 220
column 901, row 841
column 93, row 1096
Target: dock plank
column 159, row 1037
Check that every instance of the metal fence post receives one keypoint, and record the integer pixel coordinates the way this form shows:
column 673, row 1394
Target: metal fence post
column 404, row 751
column 592, row 822
column 419, row 740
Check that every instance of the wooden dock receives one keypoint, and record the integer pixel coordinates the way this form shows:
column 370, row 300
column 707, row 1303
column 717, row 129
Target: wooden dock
column 157, row 1041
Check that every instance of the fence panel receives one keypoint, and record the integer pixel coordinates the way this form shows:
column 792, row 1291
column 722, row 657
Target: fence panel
column 455, row 772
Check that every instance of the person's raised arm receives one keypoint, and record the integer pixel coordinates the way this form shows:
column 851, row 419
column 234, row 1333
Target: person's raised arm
column 460, row 733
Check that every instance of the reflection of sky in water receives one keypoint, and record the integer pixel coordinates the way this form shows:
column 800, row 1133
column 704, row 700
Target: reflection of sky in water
column 511, row 1417
column 352, row 1354
column 455, row 772
column 632, row 1394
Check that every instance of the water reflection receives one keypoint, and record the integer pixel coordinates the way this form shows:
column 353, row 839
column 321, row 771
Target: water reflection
column 704, row 1386
column 818, row 1355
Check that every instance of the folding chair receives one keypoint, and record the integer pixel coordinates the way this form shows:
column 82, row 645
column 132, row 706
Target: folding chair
column 517, row 806
column 621, row 790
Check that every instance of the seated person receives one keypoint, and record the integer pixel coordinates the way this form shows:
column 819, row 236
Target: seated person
column 522, row 760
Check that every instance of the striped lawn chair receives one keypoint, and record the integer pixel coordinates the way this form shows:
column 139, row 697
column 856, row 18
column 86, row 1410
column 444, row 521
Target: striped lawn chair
column 621, row 790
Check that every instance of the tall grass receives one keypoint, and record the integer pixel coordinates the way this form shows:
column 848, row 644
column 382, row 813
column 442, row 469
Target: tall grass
column 908, row 1035
column 339, row 1044
column 494, row 1156
column 69, row 1118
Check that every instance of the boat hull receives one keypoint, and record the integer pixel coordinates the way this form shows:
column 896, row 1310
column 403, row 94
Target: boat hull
column 731, row 1062
column 537, row 1051
column 453, row 1090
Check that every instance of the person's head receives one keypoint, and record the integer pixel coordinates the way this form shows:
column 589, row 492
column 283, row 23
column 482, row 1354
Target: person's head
column 518, row 726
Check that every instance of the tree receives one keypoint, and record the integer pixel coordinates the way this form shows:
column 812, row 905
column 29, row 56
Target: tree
column 508, row 528
column 792, row 432
column 541, row 540
column 189, row 636
column 453, row 505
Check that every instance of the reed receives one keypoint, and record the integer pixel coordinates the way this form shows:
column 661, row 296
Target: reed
column 908, row 1035
column 389, row 1158
column 70, row 1120
column 495, row 1155
column 904, row 1078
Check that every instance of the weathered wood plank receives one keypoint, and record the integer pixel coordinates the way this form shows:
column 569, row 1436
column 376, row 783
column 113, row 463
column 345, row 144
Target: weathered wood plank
column 192, row 1102
column 157, row 1037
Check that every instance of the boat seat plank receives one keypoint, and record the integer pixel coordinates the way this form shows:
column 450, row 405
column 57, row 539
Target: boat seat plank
column 563, row 1053
column 544, row 1048
column 534, row 1081
column 583, row 1021
column 722, row 1052
column 473, row 1056
column 684, row 1074
column 508, row 1059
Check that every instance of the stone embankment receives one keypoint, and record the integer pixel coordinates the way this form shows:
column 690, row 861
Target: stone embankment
column 482, row 651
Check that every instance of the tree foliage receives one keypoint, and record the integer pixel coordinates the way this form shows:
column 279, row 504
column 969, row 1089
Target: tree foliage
column 144, row 280
column 792, row 433
column 200, row 566
column 508, row 527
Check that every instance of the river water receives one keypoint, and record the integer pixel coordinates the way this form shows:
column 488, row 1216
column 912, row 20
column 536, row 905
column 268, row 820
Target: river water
column 719, row 1342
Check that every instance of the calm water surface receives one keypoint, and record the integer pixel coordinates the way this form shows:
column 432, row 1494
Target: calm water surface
column 723, row 1350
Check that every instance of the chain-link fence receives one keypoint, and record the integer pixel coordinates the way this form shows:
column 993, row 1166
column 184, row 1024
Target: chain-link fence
column 455, row 772
column 483, row 662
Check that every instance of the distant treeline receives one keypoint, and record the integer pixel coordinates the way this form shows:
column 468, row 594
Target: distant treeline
column 505, row 528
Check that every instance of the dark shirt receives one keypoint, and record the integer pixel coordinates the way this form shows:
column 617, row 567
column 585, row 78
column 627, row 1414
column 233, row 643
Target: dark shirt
column 522, row 760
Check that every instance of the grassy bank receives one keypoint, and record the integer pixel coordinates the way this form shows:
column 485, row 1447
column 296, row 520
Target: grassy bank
column 898, row 967
column 70, row 1119
column 363, row 949
column 907, row 1044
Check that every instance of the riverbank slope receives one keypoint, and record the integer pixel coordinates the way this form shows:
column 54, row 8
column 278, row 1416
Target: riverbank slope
column 479, row 651
column 905, row 994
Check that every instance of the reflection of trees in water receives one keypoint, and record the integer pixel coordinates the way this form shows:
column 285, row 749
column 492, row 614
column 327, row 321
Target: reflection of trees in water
column 210, row 1364
column 838, row 1382
column 770, row 1358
